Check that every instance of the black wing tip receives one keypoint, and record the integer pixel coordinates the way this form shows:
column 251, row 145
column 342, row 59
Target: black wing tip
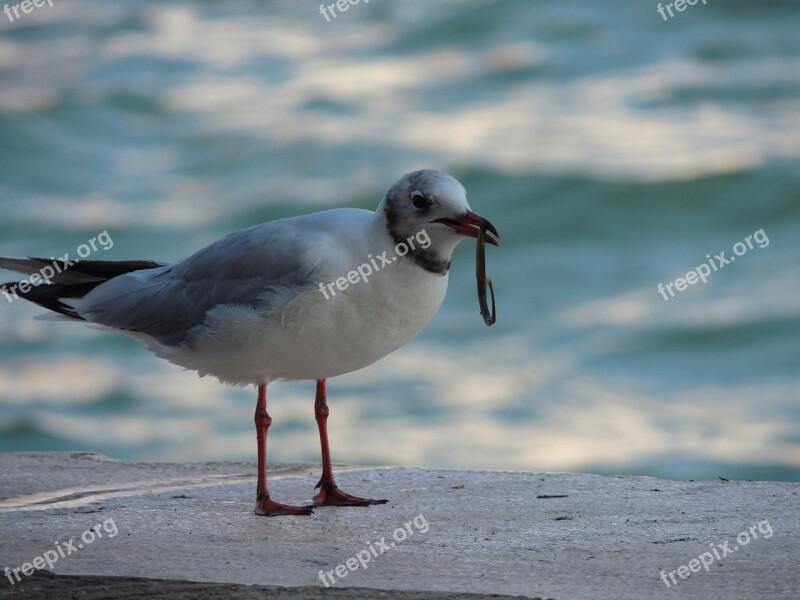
column 48, row 296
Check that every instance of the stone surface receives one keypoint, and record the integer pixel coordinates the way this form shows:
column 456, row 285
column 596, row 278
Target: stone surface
column 549, row 535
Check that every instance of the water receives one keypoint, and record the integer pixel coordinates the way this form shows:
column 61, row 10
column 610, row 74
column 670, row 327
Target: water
column 613, row 150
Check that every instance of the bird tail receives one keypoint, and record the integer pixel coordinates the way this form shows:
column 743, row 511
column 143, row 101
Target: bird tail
column 52, row 281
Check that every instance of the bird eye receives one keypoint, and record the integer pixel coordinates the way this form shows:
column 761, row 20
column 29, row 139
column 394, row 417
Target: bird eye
column 420, row 201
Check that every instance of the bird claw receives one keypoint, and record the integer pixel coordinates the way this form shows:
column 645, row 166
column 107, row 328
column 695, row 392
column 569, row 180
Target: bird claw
column 330, row 495
column 266, row 507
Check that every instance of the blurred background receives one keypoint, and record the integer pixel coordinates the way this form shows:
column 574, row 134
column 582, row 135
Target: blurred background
column 614, row 150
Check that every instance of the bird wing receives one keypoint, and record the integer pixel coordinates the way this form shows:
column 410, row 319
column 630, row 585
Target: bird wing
column 248, row 268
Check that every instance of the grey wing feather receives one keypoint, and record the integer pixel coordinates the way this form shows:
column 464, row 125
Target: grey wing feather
column 166, row 303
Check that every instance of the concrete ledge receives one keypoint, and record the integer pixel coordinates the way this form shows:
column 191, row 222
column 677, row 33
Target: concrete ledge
column 45, row 586
column 550, row 535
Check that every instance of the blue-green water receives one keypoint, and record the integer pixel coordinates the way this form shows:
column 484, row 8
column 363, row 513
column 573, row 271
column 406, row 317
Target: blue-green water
column 612, row 149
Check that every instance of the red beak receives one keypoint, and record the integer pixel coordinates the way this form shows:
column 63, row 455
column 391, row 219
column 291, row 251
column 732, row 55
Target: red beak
column 469, row 225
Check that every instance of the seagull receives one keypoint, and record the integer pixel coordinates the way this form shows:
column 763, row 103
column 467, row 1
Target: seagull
column 302, row 298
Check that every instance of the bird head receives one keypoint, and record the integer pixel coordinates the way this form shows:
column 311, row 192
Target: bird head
column 434, row 204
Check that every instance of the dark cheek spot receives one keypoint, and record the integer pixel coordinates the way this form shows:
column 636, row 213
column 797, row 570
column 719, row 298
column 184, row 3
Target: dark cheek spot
column 425, row 258
column 391, row 210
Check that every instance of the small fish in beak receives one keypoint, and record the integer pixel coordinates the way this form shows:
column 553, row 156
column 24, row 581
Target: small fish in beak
column 480, row 273
column 475, row 226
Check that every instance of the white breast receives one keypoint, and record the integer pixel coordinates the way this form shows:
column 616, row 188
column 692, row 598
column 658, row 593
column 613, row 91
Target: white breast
column 328, row 337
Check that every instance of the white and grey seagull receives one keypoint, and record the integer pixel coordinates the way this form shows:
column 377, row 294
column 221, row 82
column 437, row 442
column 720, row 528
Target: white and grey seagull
column 256, row 306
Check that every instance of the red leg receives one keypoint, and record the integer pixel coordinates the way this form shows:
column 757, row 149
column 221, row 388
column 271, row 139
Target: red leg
column 329, row 493
column 264, row 505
